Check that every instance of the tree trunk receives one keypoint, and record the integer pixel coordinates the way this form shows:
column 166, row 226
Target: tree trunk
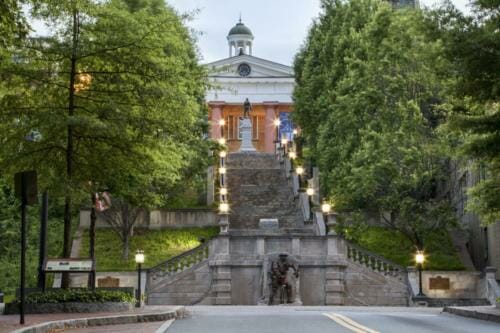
column 69, row 151
column 125, row 231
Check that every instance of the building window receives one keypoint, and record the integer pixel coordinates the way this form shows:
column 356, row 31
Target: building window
column 231, row 127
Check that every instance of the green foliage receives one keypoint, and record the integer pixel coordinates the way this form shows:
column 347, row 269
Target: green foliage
column 393, row 245
column 158, row 246
column 116, row 93
column 13, row 25
column 79, row 296
column 10, row 224
column 370, row 84
column 472, row 44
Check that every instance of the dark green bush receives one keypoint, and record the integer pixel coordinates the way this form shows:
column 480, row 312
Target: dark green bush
column 79, row 296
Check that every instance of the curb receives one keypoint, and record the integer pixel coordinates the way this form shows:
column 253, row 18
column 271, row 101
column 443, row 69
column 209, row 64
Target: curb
column 473, row 314
column 164, row 328
column 103, row 321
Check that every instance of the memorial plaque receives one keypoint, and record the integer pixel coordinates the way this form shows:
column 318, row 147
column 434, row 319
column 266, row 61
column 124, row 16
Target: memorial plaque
column 108, row 282
column 268, row 224
column 439, row 283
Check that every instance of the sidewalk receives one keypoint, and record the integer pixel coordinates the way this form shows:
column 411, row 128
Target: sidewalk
column 145, row 314
column 489, row 313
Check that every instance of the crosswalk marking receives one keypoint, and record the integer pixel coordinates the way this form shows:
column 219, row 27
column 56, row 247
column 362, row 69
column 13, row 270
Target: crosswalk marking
column 349, row 323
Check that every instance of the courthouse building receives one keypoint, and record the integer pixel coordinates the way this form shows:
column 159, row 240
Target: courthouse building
column 267, row 85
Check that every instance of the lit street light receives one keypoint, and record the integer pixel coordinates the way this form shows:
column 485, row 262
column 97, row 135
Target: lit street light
column 419, row 259
column 139, row 260
column 310, row 193
column 300, row 171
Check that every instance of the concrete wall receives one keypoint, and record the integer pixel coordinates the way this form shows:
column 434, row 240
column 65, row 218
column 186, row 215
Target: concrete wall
column 163, row 219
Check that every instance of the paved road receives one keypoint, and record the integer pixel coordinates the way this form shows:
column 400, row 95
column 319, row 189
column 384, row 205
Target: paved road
column 326, row 320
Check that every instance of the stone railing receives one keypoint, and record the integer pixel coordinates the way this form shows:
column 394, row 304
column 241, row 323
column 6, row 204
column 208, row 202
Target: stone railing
column 176, row 265
column 374, row 262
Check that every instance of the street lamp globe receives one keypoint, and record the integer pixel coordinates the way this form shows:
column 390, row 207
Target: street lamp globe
column 326, row 208
column 224, row 208
column 299, row 170
column 223, row 154
column 222, row 122
column 419, row 257
column 222, row 170
column 292, row 155
column 310, row 191
column 277, row 122
column 139, row 257
column 223, row 191
column 284, row 141
column 222, row 141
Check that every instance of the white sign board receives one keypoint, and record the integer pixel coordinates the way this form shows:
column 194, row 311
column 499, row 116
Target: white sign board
column 66, row 265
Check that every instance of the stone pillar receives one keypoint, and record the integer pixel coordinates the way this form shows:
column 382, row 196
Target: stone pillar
column 216, row 108
column 270, row 129
column 334, row 285
column 334, row 272
column 222, row 271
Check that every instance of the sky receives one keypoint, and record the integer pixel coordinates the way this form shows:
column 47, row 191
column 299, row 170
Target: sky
column 279, row 26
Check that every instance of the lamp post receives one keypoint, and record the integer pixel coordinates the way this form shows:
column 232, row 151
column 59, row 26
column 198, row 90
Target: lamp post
column 284, row 144
column 277, row 124
column 419, row 259
column 310, row 193
column 222, row 123
column 293, row 156
column 300, row 171
column 139, row 260
column 224, row 217
column 326, row 208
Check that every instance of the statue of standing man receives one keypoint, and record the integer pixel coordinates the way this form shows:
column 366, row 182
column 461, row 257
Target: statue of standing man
column 247, row 107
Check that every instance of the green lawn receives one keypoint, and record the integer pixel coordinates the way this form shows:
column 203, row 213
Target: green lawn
column 158, row 246
column 439, row 250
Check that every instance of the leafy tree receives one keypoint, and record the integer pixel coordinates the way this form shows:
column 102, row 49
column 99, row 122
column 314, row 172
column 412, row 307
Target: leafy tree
column 473, row 45
column 116, row 94
column 377, row 106
column 13, row 24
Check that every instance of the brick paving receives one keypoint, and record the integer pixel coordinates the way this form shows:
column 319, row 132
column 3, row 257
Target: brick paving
column 11, row 322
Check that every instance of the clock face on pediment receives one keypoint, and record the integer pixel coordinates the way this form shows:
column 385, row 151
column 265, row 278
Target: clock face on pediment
column 244, row 70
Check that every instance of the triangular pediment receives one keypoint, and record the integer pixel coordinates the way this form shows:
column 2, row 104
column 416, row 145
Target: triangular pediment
column 229, row 68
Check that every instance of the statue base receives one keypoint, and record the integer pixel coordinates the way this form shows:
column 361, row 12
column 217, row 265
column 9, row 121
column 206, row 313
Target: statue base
column 246, row 136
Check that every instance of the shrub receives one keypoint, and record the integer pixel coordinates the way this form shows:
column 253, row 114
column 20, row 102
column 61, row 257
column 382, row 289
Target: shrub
column 79, row 296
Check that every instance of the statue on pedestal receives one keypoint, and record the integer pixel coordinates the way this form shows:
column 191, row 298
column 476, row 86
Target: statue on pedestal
column 280, row 284
column 246, row 129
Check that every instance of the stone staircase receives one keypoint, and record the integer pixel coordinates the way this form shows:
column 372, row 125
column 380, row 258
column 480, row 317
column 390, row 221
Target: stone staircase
column 259, row 189
column 183, row 280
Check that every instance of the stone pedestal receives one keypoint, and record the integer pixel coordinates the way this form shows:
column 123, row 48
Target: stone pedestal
column 246, row 135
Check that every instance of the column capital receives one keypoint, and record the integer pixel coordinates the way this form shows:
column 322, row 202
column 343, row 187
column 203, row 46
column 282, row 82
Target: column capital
column 271, row 103
column 217, row 104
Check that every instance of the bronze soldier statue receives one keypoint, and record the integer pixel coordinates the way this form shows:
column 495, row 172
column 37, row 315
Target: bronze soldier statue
column 247, row 107
column 279, row 270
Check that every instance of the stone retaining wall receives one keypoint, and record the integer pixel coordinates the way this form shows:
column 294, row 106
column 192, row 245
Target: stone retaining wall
column 163, row 219
column 462, row 284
